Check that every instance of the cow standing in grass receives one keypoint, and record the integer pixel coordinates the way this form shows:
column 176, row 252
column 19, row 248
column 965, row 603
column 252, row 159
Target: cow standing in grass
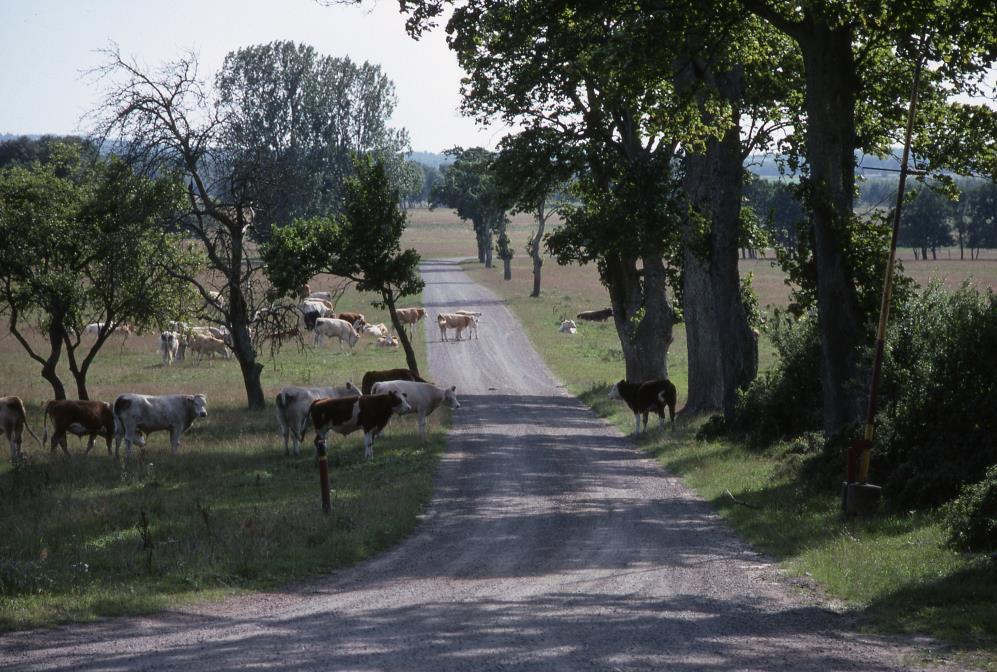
column 83, row 417
column 292, row 410
column 135, row 414
column 12, row 421
column 642, row 398
column 370, row 412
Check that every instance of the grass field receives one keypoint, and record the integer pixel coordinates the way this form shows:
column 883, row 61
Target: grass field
column 893, row 571
column 85, row 536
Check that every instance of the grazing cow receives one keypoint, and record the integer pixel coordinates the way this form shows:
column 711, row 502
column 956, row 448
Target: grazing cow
column 322, row 306
column 372, row 377
column 335, row 328
column 207, row 345
column 454, row 321
column 135, row 413
column 595, row 315
column 387, row 342
column 353, row 318
column 292, row 409
column 409, row 316
column 424, row 398
column 375, row 330
column 91, row 418
column 568, row 327
column 93, row 329
column 169, row 346
column 220, row 333
column 309, row 314
column 12, row 421
column 642, row 398
column 370, row 412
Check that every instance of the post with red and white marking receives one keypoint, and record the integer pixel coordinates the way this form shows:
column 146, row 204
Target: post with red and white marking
column 323, row 472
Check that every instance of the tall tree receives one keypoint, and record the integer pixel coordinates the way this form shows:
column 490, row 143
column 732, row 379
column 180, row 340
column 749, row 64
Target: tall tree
column 294, row 118
column 83, row 242
column 530, row 172
column 469, row 187
column 169, row 119
column 857, row 59
column 363, row 244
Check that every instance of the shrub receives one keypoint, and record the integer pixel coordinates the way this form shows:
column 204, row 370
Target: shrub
column 937, row 424
column 971, row 518
column 785, row 400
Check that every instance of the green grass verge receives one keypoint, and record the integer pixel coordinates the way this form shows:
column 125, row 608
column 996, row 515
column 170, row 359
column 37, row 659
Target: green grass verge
column 83, row 537
column 892, row 570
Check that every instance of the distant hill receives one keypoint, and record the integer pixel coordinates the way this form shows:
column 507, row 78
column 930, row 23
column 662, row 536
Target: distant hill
column 430, row 158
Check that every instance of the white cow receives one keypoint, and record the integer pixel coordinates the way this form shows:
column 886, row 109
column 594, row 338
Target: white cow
column 388, row 342
column 324, row 308
column 568, row 327
column 292, row 409
column 335, row 328
column 325, row 296
column 375, row 330
column 134, row 413
column 169, row 344
column 424, row 398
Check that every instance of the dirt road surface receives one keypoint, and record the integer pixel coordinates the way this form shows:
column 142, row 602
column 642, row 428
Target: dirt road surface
column 551, row 544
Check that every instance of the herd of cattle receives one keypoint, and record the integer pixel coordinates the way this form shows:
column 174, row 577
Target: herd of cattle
column 381, row 395
column 132, row 416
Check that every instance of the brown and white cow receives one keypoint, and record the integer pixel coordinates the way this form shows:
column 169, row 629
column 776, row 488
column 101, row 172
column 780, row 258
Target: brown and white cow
column 424, row 398
column 82, row 417
column 455, row 321
column 642, row 398
column 371, row 377
column 292, row 409
column 370, row 412
column 206, row 344
column 12, row 421
column 141, row 413
column 409, row 316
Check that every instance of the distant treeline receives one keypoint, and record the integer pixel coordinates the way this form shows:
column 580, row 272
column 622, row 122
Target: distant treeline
column 930, row 219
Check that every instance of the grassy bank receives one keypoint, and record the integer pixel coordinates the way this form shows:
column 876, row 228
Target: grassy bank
column 894, row 570
column 84, row 536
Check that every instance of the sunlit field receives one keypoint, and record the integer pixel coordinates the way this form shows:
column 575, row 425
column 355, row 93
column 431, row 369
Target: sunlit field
column 86, row 536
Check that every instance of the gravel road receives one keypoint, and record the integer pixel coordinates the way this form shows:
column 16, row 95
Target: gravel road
column 551, row 544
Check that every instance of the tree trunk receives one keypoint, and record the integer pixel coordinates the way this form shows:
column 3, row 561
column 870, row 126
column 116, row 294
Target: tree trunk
column 722, row 349
column 488, row 253
column 538, row 260
column 507, row 269
column 413, row 365
column 830, row 106
column 55, row 332
column 242, row 342
column 643, row 317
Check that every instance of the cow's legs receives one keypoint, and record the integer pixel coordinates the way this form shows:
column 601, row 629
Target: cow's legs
column 368, row 445
column 422, row 426
column 645, row 414
column 93, row 438
column 175, row 433
column 636, row 423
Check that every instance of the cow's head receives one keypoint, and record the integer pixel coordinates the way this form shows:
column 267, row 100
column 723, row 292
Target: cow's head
column 200, row 403
column 399, row 404
column 615, row 392
column 450, row 398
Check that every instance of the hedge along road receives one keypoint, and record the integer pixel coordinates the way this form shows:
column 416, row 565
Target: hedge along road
column 551, row 544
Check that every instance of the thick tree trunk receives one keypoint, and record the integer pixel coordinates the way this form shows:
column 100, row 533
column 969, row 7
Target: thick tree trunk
column 507, row 269
column 49, row 373
column 722, row 349
column 643, row 317
column 488, row 253
column 413, row 365
column 830, row 106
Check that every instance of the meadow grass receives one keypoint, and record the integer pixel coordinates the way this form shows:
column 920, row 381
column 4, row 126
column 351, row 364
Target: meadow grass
column 87, row 536
column 893, row 571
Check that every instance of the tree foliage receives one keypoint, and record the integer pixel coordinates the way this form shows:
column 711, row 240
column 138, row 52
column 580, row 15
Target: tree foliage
column 294, row 118
column 83, row 242
column 362, row 244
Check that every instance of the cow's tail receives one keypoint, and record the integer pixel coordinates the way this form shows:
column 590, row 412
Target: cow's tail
column 45, row 409
column 121, row 404
column 27, row 427
column 281, row 403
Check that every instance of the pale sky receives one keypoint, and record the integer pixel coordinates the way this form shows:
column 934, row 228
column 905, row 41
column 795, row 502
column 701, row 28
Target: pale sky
column 46, row 44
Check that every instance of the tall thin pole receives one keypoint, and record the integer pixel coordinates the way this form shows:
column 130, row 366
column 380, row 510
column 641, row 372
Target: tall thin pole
column 865, row 445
